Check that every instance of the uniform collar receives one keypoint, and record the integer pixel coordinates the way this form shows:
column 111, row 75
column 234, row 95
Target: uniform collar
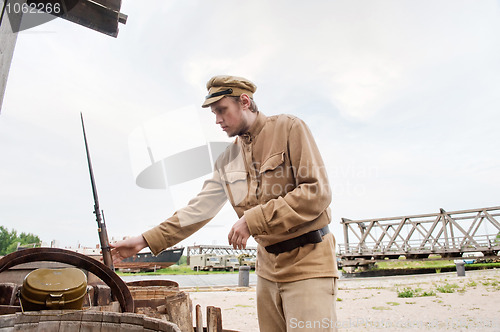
column 255, row 128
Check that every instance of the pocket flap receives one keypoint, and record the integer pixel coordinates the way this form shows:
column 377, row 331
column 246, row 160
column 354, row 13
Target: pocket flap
column 232, row 177
column 272, row 162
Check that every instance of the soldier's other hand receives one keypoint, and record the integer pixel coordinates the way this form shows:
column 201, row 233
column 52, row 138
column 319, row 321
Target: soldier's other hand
column 239, row 234
column 126, row 248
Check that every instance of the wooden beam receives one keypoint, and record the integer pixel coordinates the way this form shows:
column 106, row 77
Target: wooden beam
column 99, row 15
column 8, row 38
column 111, row 4
column 93, row 16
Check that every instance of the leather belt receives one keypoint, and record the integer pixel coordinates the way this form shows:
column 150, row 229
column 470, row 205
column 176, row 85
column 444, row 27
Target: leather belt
column 299, row 241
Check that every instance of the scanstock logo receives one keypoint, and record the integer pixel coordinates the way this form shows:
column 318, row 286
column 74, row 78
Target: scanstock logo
column 175, row 147
column 26, row 14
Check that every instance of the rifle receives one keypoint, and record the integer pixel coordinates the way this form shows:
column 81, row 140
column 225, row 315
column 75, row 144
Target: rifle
column 101, row 223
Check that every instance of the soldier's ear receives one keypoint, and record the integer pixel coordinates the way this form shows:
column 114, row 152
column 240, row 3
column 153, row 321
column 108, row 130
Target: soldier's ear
column 245, row 100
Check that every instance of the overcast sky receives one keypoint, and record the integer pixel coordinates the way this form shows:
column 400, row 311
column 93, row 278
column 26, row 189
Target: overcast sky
column 402, row 98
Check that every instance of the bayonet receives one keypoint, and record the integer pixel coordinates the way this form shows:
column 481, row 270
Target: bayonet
column 101, row 224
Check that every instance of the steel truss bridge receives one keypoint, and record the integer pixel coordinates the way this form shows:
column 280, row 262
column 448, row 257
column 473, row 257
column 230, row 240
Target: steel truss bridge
column 220, row 250
column 449, row 234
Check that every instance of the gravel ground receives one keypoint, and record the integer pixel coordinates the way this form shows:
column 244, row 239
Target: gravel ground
column 372, row 304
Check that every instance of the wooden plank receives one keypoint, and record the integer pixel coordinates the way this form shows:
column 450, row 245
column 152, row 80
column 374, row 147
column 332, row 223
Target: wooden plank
column 163, row 325
column 161, row 309
column 111, row 318
column 199, row 319
column 88, row 326
column 8, row 293
column 92, row 316
column 55, row 326
column 28, row 318
column 152, row 303
column 214, row 319
column 30, row 327
column 9, row 309
column 131, row 327
column 131, row 318
column 114, row 306
column 110, row 327
column 179, row 311
column 102, row 295
column 151, row 324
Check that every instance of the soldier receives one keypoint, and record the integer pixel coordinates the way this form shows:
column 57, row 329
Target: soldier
column 274, row 177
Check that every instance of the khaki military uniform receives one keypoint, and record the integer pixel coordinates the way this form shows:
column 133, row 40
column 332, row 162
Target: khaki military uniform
column 275, row 177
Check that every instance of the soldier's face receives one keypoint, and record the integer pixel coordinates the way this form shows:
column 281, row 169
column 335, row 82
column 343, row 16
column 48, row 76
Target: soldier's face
column 230, row 116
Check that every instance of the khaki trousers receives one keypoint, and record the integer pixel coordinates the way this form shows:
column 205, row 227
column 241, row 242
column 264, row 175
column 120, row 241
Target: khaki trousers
column 304, row 305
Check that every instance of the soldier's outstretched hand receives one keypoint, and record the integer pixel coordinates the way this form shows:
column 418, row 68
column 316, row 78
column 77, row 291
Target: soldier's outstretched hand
column 126, row 248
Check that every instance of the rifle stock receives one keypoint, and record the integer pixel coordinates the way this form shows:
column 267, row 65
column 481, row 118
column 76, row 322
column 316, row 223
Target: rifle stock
column 101, row 224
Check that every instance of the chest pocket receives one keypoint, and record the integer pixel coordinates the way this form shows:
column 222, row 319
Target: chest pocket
column 272, row 162
column 275, row 178
column 236, row 187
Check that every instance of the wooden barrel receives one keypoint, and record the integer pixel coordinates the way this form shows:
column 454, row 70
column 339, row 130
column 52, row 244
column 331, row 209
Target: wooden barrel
column 59, row 320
